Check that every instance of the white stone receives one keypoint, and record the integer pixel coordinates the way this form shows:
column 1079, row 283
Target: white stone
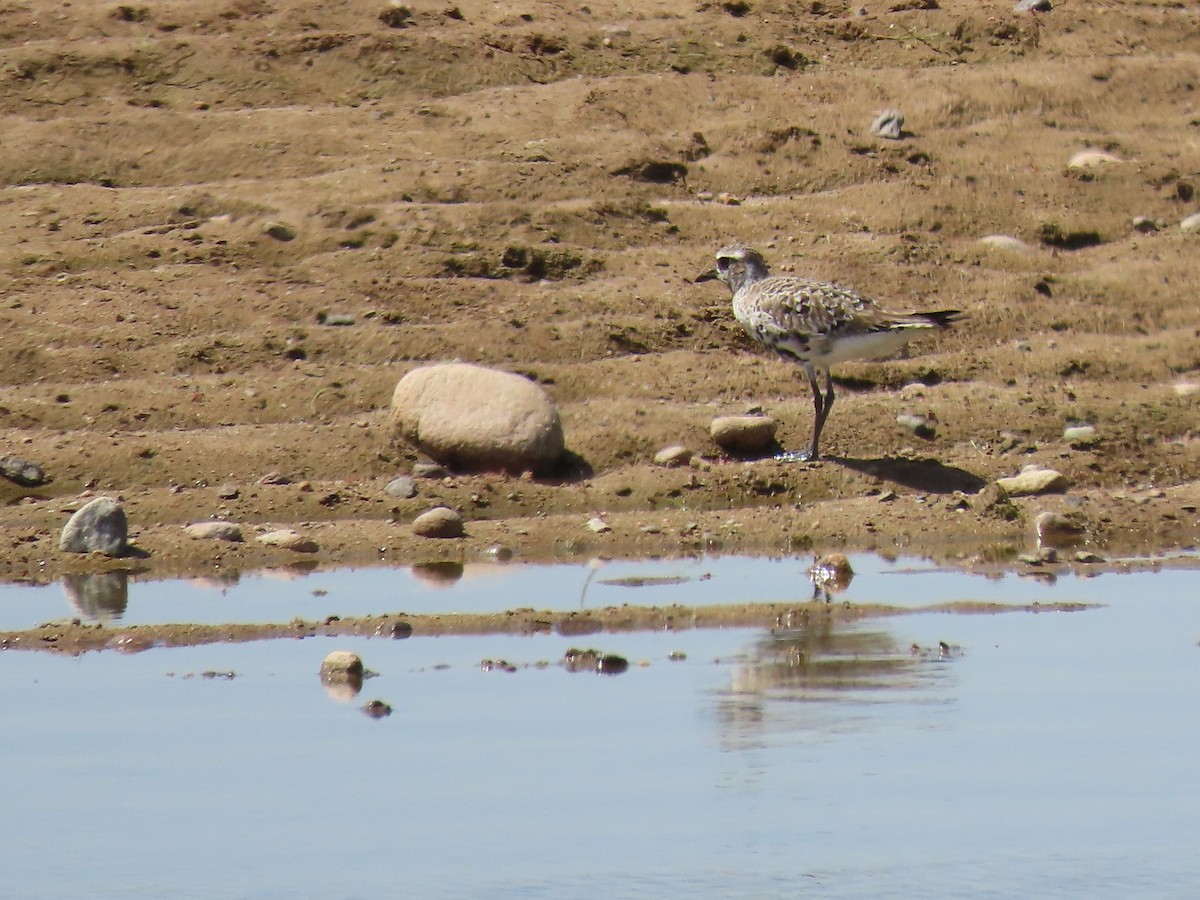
column 474, row 418
column 1033, row 480
column 1191, row 223
column 215, row 530
column 675, row 455
column 288, row 539
column 1004, row 242
column 1089, row 159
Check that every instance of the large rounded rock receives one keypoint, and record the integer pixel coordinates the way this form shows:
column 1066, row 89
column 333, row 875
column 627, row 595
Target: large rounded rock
column 97, row 527
column 473, row 418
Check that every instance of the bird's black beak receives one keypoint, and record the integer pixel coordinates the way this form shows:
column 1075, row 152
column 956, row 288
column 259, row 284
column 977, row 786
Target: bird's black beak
column 710, row 275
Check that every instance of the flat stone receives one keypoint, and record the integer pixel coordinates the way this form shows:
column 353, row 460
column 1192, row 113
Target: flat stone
column 98, row 527
column 439, row 522
column 743, row 434
column 1004, row 242
column 1081, row 436
column 401, row 488
column 279, row 231
column 215, row 530
column 429, row 470
column 228, row 492
column 1090, row 159
column 672, row 456
column 478, row 419
column 1031, row 481
column 287, row 539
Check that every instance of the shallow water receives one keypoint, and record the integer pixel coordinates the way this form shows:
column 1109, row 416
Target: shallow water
column 1048, row 754
column 279, row 595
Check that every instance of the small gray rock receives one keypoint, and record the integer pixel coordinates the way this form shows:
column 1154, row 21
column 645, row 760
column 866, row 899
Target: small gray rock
column 439, row 522
column 1033, row 6
column 215, row 531
column 401, row 488
column 743, row 434
column 228, row 492
column 889, row 124
column 98, row 527
column 22, row 471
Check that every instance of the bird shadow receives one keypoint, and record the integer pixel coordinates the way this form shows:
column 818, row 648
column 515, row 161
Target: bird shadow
column 926, row 475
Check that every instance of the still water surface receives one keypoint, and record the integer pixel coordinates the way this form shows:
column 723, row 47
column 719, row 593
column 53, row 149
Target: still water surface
column 1047, row 754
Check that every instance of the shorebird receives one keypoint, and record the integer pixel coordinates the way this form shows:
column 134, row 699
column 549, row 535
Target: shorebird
column 815, row 324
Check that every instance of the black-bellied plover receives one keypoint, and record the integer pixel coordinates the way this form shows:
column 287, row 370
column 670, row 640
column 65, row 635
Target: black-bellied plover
column 815, row 324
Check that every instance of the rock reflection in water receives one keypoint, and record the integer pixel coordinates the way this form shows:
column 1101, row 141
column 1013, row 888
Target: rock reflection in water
column 438, row 574
column 101, row 597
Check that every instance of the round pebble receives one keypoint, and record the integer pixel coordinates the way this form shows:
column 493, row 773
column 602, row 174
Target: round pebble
column 439, row 522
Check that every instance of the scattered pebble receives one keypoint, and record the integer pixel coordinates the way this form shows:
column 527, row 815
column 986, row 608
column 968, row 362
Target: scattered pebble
column 888, row 124
column 439, row 522
column 342, row 664
column 288, row 539
column 98, row 527
column 1079, row 436
column 918, row 425
column 743, row 434
column 675, row 455
column 377, row 709
column 576, row 660
column 401, row 488
column 1058, row 528
column 215, row 530
column 1089, row 159
column 1033, row 480
column 429, row 470
column 598, row 526
column 279, row 231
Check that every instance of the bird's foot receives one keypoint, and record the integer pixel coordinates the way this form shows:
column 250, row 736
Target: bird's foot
column 796, row 456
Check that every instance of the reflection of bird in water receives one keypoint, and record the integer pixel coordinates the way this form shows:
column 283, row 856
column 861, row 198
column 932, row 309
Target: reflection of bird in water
column 830, row 574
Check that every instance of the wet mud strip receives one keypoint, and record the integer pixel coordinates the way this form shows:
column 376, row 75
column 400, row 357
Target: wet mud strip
column 74, row 637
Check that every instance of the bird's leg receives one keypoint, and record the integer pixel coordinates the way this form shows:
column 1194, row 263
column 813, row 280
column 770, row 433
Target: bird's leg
column 821, row 406
column 823, row 412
